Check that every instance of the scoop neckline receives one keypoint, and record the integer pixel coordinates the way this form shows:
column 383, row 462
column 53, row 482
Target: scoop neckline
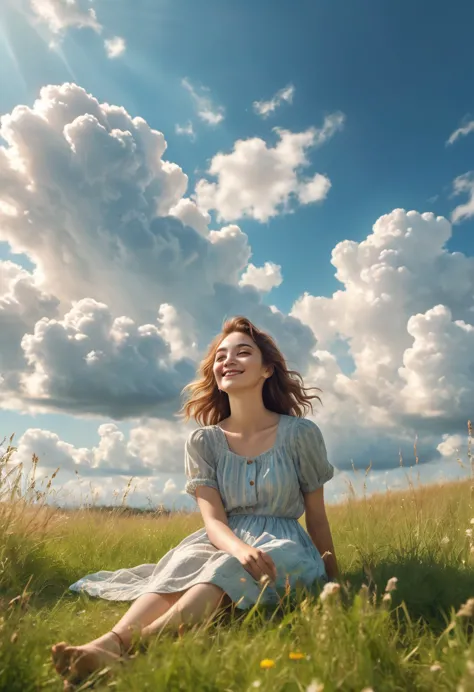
column 268, row 451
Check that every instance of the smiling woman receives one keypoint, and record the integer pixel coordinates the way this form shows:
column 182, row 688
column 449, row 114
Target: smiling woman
column 253, row 467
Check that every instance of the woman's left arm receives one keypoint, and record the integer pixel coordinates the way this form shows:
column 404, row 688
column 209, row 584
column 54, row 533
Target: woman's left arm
column 317, row 525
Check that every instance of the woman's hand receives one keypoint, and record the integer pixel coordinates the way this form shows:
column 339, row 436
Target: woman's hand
column 257, row 563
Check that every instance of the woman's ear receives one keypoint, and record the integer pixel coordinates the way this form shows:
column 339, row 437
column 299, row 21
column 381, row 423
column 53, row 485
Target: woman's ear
column 270, row 371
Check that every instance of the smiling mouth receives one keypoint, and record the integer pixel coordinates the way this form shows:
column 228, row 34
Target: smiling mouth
column 232, row 374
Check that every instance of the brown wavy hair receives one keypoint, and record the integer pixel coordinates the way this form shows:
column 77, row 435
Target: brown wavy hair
column 283, row 391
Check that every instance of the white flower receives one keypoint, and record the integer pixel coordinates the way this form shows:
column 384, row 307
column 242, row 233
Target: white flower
column 391, row 584
column 329, row 589
column 315, row 686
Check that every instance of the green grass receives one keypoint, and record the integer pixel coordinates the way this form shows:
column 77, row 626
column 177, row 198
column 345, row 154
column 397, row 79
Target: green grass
column 413, row 639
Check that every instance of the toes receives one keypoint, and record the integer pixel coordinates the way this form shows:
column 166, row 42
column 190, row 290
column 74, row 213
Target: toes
column 59, row 659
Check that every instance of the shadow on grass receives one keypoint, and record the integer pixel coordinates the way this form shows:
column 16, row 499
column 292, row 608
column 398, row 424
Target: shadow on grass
column 429, row 589
column 30, row 567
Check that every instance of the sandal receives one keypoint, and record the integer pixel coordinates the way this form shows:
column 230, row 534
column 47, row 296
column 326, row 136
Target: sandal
column 123, row 648
column 133, row 649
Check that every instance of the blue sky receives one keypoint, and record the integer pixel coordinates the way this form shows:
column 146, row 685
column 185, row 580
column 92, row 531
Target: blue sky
column 401, row 73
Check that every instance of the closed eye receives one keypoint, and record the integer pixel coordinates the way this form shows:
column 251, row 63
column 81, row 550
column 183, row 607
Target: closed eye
column 242, row 353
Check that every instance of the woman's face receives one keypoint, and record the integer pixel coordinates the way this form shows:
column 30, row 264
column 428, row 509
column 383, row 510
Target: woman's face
column 238, row 352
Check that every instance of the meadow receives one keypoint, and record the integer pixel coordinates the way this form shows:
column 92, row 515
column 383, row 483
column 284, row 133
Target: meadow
column 402, row 617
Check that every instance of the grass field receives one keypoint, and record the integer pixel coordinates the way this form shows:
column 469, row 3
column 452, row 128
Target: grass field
column 417, row 635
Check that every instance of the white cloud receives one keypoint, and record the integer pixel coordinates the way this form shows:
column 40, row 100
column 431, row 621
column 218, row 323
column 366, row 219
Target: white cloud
column 454, row 446
column 265, row 108
column 90, row 361
column 115, row 46
column 186, row 130
column 464, row 184
column 209, row 112
column 259, row 181
column 152, row 457
column 60, row 15
column 461, row 132
column 406, row 311
column 22, row 304
column 187, row 212
column 263, row 278
column 314, row 190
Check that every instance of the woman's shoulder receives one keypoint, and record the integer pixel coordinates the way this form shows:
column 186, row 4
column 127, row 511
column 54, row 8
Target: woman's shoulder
column 301, row 429
column 306, row 424
column 202, row 436
column 301, row 423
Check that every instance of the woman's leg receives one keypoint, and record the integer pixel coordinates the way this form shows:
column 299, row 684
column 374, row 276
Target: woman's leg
column 196, row 604
column 80, row 661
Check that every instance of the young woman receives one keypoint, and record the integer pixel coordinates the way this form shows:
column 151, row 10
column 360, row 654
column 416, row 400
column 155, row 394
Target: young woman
column 254, row 467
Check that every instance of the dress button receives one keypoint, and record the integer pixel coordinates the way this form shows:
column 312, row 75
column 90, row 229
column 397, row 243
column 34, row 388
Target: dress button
column 249, row 461
column 251, row 482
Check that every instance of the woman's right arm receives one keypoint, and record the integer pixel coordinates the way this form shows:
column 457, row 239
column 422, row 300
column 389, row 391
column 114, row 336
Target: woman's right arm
column 215, row 520
column 254, row 560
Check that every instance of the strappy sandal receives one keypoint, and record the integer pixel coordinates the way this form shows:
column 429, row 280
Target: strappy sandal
column 135, row 647
column 123, row 649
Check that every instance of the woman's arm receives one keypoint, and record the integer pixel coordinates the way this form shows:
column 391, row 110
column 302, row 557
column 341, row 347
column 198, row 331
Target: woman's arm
column 320, row 534
column 317, row 526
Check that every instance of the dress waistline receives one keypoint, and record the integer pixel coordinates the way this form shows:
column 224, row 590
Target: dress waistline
column 265, row 516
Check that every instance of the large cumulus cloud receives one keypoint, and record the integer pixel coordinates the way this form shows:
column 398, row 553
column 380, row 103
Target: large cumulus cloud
column 130, row 283
column 406, row 313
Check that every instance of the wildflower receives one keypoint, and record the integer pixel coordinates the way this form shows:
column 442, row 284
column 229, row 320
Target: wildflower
column 444, row 541
column 330, row 589
column 296, row 655
column 367, row 689
column 469, row 533
column 467, row 609
column 391, row 584
column 472, row 521
column 315, row 686
column 256, row 683
column 267, row 663
column 387, row 598
column 435, row 668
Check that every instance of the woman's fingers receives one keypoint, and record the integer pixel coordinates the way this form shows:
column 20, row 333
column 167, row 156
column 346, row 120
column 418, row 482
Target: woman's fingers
column 266, row 568
column 271, row 569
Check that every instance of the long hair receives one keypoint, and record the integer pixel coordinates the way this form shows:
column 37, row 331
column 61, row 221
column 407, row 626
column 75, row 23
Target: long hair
column 283, row 392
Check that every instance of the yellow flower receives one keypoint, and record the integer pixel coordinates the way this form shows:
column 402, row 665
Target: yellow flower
column 296, row 655
column 267, row 663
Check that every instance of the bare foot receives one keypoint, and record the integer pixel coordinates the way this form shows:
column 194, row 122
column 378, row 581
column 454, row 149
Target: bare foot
column 75, row 663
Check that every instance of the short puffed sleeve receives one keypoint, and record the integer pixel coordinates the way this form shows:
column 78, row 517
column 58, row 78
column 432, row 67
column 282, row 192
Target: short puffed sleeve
column 199, row 462
column 311, row 461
